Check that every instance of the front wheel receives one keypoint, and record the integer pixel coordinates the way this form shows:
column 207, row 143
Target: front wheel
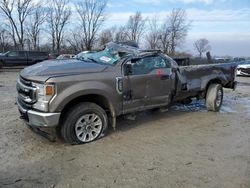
column 84, row 123
column 214, row 97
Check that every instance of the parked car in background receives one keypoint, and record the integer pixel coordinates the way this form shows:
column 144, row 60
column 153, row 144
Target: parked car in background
column 182, row 61
column 243, row 68
column 82, row 54
column 66, row 56
column 22, row 58
column 239, row 59
column 53, row 55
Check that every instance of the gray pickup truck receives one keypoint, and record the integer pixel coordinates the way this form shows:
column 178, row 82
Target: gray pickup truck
column 82, row 97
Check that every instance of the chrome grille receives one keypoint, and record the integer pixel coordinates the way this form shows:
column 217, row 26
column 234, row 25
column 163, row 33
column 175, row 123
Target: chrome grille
column 26, row 93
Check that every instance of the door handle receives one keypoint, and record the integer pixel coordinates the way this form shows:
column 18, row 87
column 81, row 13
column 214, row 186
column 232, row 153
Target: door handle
column 165, row 77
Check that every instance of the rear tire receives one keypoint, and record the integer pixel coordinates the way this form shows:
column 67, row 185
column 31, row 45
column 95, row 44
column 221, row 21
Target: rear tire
column 214, row 97
column 84, row 123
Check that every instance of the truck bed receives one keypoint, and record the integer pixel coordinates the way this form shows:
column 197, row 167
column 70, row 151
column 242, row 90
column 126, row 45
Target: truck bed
column 194, row 79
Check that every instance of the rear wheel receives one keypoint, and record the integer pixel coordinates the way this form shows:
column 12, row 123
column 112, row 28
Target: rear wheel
column 1, row 65
column 214, row 97
column 84, row 123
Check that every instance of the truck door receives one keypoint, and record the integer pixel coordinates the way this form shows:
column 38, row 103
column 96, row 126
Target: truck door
column 134, row 92
column 148, row 84
column 160, row 81
column 16, row 58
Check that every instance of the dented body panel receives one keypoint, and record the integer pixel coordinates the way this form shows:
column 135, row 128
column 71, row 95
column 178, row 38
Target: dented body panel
column 197, row 78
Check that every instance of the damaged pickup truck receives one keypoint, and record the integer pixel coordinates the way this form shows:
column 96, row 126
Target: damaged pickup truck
column 82, row 97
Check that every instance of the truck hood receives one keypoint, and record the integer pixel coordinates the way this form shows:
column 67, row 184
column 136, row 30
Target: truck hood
column 54, row 68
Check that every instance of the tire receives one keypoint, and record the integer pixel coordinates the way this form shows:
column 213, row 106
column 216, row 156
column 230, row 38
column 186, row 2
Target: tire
column 84, row 123
column 214, row 97
column 1, row 65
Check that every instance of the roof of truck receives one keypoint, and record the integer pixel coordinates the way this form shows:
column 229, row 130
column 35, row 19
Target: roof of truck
column 130, row 49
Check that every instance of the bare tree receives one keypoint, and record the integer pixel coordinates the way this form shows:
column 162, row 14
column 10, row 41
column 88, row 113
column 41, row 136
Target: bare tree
column 120, row 34
column 92, row 16
column 76, row 40
column 153, row 36
column 4, row 42
column 178, row 28
column 16, row 12
column 165, row 38
column 37, row 19
column 202, row 46
column 106, row 36
column 116, row 34
column 58, row 17
column 135, row 27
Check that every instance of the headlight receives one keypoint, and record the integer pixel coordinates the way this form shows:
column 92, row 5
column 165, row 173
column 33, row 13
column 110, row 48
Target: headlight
column 45, row 92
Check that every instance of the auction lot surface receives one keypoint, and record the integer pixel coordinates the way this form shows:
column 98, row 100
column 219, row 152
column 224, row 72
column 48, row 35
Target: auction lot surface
column 184, row 147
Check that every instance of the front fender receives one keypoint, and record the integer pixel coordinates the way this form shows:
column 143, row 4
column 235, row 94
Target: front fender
column 65, row 95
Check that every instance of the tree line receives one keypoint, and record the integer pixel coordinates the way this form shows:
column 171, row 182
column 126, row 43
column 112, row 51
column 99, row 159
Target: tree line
column 62, row 26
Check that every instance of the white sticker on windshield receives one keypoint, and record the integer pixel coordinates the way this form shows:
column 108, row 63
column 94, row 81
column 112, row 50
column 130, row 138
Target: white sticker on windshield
column 104, row 58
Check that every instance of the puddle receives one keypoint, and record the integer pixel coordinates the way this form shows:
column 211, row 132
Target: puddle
column 194, row 106
column 227, row 109
column 199, row 106
column 244, row 84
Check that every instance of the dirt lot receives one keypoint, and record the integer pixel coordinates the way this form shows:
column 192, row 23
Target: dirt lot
column 185, row 147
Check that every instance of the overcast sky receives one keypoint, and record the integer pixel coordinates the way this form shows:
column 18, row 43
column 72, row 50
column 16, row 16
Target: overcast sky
column 225, row 23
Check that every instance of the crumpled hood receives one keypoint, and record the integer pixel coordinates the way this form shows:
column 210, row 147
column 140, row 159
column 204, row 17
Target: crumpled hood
column 54, row 68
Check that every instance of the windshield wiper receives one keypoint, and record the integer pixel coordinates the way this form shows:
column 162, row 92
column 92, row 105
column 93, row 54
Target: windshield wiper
column 92, row 59
column 80, row 58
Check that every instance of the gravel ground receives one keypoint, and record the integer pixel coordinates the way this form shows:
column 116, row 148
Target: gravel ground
column 184, row 147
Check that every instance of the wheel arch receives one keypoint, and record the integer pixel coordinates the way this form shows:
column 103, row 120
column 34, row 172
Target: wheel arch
column 213, row 81
column 98, row 99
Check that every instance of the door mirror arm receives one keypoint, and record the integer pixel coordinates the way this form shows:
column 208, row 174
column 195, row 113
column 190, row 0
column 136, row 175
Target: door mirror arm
column 128, row 69
column 174, row 69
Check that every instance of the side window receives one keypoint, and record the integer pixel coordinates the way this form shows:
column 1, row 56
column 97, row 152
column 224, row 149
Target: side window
column 13, row 54
column 159, row 62
column 147, row 64
column 21, row 54
column 31, row 54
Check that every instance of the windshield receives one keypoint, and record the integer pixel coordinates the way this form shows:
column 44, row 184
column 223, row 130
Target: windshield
column 106, row 56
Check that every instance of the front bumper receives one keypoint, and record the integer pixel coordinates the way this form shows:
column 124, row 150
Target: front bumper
column 243, row 72
column 39, row 119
